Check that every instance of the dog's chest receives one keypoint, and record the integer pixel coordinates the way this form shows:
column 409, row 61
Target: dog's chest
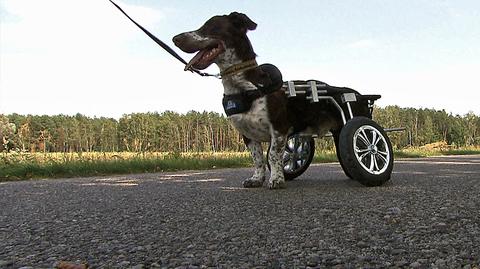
column 255, row 123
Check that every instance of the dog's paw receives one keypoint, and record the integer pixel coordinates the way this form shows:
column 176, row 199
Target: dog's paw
column 252, row 183
column 276, row 184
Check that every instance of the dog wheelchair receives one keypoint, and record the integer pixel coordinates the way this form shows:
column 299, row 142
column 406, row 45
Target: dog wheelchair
column 363, row 147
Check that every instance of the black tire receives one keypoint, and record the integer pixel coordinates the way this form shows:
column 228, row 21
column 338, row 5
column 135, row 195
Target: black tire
column 298, row 155
column 366, row 151
column 336, row 138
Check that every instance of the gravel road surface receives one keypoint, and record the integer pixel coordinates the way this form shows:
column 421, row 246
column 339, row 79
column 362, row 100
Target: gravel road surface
column 427, row 216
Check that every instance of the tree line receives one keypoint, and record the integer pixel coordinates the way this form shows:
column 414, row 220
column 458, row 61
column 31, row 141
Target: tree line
column 207, row 131
column 137, row 132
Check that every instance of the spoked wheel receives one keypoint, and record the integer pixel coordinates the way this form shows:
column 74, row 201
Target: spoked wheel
column 366, row 151
column 298, row 155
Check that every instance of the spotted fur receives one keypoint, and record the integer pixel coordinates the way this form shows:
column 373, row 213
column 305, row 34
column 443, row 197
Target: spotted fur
column 195, row 36
column 271, row 117
column 259, row 174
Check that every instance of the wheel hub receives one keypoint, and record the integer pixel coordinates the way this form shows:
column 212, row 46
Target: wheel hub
column 371, row 149
column 296, row 154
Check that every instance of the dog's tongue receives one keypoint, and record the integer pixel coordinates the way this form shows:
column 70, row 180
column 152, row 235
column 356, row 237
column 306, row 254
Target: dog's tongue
column 195, row 59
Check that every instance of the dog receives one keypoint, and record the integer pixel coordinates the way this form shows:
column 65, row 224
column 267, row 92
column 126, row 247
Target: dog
column 253, row 97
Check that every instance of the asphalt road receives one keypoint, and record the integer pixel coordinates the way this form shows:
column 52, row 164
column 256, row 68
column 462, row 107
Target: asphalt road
column 427, row 216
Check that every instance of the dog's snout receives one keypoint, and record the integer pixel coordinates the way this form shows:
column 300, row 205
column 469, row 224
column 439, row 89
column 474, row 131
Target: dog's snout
column 187, row 43
column 177, row 39
column 182, row 42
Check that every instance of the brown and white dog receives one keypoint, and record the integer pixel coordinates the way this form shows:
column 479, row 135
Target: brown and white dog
column 270, row 116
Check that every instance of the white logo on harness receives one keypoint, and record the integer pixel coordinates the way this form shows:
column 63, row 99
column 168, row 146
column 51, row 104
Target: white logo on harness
column 231, row 105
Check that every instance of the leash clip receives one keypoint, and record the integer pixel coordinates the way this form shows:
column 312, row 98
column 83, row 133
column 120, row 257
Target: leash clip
column 203, row 74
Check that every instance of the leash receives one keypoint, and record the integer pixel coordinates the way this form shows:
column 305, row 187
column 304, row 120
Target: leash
column 165, row 46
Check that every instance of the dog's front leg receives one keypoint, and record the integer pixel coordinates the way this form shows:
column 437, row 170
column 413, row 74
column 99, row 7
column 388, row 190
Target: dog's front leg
column 275, row 158
column 259, row 175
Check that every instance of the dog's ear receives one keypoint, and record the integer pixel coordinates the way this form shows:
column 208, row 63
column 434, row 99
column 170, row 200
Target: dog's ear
column 242, row 21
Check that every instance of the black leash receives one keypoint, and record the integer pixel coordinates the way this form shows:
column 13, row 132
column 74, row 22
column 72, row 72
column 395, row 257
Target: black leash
column 163, row 45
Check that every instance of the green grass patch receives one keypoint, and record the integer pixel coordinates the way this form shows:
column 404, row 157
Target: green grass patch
column 325, row 157
column 21, row 166
column 51, row 167
column 422, row 153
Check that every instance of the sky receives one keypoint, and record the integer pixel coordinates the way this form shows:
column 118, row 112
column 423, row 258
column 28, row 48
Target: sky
column 84, row 56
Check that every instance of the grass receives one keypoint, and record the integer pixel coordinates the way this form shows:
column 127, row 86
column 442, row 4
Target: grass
column 21, row 166
column 54, row 165
column 327, row 156
column 421, row 153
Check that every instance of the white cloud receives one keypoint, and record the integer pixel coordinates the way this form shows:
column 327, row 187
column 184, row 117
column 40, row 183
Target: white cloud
column 65, row 56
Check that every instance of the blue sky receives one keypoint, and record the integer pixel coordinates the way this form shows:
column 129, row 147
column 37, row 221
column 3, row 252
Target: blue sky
column 67, row 56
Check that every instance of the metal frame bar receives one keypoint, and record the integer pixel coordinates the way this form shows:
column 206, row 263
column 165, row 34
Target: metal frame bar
column 350, row 110
column 293, row 90
column 316, row 95
column 344, row 119
column 313, row 87
column 388, row 130
column 399, row 129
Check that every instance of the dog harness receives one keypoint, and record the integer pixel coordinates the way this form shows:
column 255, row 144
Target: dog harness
column 242, row 102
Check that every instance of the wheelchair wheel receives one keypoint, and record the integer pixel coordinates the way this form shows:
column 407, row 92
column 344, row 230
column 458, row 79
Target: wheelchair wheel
column 298, row 155
column 366, row 151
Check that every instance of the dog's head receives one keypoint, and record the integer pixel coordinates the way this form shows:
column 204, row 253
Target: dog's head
column 220, row 40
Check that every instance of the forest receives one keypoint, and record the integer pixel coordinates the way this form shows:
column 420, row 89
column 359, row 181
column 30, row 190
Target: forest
column 206, row 131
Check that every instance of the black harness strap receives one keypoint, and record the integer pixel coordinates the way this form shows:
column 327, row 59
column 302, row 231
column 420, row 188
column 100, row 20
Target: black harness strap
column 241, row 102
column 162, row 44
